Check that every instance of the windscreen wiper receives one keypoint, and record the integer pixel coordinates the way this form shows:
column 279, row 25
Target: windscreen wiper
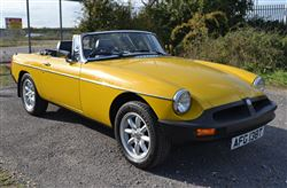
column 149, row 51
column 158, row 52
column 109, row 55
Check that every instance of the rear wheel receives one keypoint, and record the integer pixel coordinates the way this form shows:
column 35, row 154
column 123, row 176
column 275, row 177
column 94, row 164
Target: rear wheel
column 32, row 102
column 140, row 139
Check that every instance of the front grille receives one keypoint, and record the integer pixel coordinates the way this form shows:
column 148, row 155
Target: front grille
column 260, row 104
column 240, row 111
column 231, row 114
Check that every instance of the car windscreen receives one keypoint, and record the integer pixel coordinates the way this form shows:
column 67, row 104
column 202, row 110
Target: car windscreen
column 120, row 44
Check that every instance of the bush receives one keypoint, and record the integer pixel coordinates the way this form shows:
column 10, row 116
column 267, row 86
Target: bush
column 268, row 25
column 254, row 50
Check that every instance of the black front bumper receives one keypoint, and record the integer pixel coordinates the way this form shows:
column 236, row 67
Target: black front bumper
column 228, row 120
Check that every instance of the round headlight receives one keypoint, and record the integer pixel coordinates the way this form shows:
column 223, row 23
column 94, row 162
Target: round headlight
column 181, row 101
column 259, row 83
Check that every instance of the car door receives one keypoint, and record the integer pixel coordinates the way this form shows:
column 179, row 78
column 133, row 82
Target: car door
column 60, row 82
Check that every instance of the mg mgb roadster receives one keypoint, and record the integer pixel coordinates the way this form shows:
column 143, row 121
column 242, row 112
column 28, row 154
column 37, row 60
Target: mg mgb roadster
column 125, row 80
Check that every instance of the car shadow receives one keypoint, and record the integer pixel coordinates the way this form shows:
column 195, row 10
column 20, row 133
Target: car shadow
column 213, row 164
column 64, row 115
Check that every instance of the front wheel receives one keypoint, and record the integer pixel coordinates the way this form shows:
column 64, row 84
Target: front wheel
column 141, row 140
column 32, row 102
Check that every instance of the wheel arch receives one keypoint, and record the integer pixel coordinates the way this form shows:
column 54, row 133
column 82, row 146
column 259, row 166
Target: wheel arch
column 21, row 74
column 120, row 100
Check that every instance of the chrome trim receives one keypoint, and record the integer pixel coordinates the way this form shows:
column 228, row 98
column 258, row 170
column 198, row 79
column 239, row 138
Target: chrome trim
column 50, row 71
column 256, row 81
column 96, row 82
column 123, row 89
column 115, row 31
column 176, row 98
column 63, row 74
column 77, row 39
column 84, row 60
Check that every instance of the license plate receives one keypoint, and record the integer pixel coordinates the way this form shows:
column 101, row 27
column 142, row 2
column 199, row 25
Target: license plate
column 246, row 138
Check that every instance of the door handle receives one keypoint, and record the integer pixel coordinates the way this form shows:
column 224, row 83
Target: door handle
column 47, row 64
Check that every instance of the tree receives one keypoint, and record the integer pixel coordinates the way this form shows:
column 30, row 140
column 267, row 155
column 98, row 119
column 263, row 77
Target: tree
column 235, row 10
column 105, row 15
column 197, row 29
column 165, row 15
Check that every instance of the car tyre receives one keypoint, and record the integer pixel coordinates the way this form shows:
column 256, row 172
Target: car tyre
column 141, row 140
column 32, row 102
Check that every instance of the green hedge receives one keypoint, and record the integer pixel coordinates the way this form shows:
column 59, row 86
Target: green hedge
column 254, row 50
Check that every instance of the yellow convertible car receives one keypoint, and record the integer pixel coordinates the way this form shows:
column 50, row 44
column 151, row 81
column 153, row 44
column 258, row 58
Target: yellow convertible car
column 125, row 80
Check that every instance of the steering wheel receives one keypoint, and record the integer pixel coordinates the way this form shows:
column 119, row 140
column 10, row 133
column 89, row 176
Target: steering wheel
column 103, row 51
column 100, row 51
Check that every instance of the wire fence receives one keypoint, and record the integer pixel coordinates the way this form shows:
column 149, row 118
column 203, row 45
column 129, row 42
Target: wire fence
column 270, row 12
column 16, row 41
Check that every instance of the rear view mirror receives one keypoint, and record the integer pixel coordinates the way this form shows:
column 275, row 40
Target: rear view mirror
column 69, row 59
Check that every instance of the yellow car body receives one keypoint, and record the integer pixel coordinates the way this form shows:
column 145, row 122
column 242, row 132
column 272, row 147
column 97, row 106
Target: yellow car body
column 151, row 99
column 90, row 89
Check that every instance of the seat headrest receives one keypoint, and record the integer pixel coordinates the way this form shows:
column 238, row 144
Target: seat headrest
column 65, row 46
column 104, row 44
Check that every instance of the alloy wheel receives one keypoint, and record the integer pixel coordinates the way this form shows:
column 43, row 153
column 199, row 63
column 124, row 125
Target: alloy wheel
column 29, row 96
column 135, row 135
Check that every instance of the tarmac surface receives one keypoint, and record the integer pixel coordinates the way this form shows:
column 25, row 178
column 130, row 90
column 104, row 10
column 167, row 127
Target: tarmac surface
column 62, row 149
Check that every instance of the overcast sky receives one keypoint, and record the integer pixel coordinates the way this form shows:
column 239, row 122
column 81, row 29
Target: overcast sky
column 44, row 13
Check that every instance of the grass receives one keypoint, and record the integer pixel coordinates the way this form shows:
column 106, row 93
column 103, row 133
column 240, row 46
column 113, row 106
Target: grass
column 278, row 78
column 22, row 42
column 8, row 180
column 5, row 77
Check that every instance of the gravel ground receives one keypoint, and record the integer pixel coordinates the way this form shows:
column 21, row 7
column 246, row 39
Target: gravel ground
column 62, row 149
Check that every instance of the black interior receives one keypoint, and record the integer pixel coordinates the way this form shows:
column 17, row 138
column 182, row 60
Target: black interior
column 64, row 48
